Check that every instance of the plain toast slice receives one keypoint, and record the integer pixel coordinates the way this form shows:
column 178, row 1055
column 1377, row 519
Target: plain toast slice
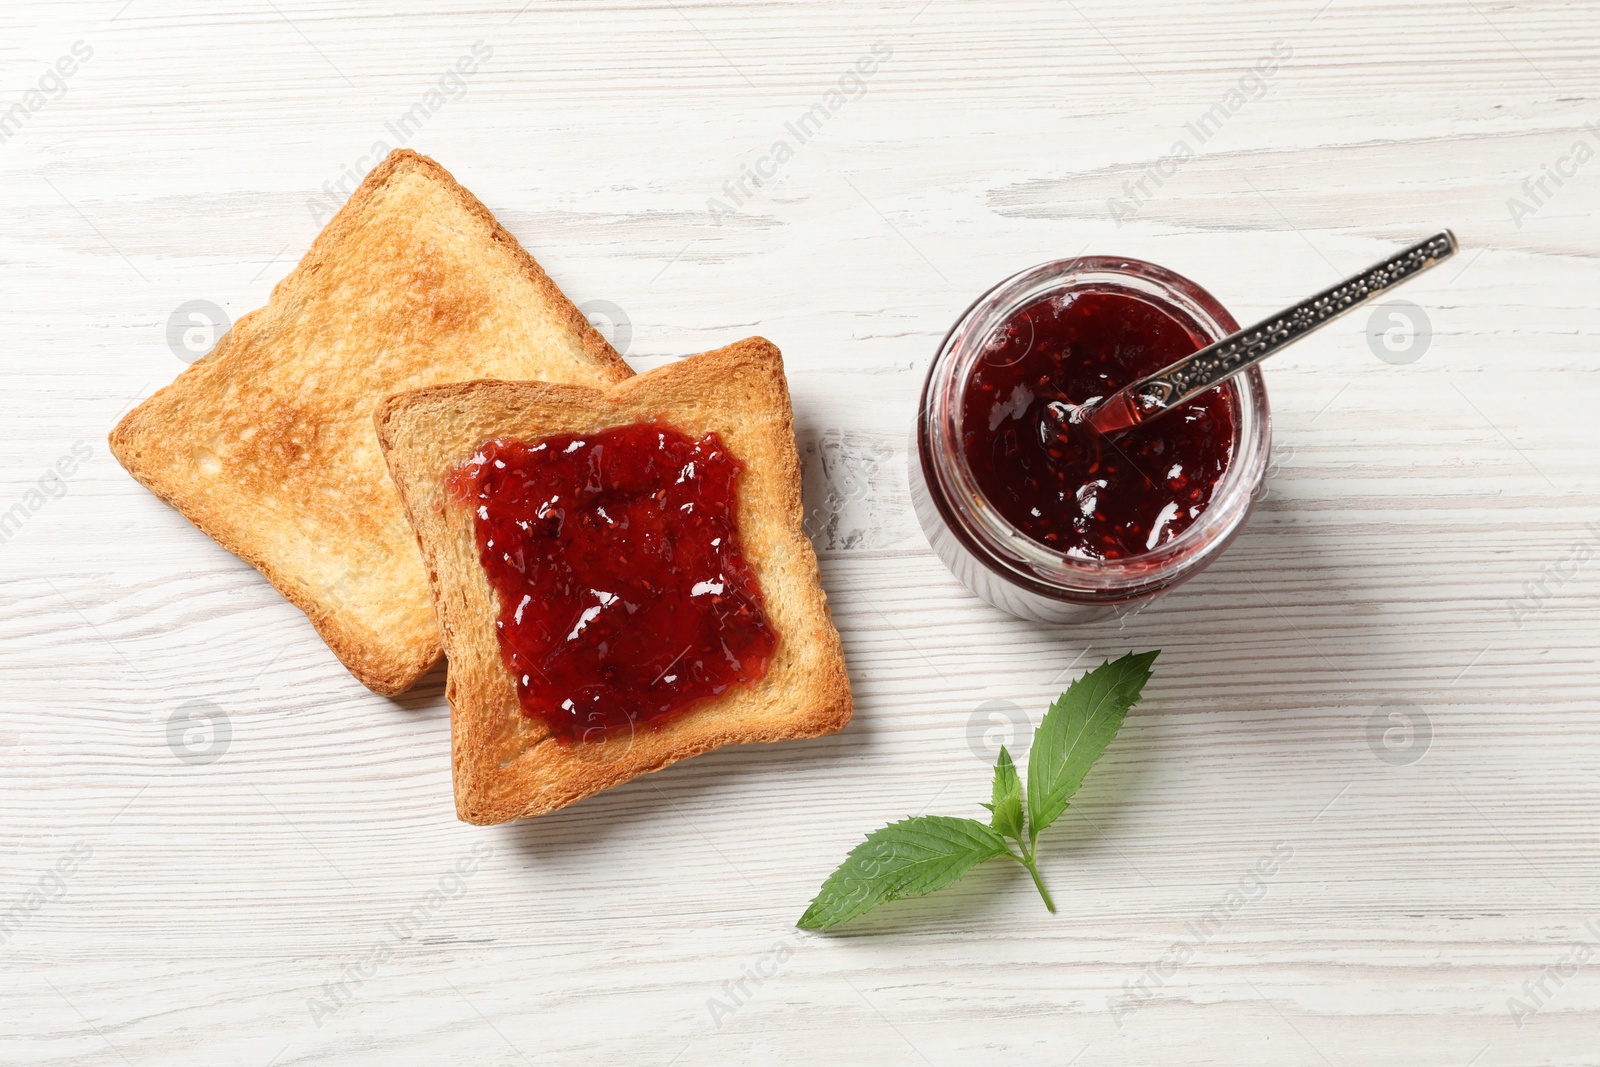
column 506, row 764
column 267, row 444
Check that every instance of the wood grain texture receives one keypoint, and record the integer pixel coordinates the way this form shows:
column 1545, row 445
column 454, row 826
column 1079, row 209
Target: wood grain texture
column 1424, row 546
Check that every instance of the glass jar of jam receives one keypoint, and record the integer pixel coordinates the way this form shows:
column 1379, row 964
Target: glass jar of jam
column 1033, row 510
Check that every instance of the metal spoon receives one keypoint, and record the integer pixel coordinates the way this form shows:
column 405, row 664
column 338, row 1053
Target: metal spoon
column 1152, row 396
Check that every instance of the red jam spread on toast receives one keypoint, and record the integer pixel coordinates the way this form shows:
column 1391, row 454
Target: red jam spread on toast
column 1051, row 476
column 625, row 599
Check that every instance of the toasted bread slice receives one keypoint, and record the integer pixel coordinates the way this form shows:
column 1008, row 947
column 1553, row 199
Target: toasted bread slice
column 266, row 444
column 507, row 765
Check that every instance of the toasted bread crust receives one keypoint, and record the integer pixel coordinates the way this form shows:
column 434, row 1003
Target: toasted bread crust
column 266, row 444
column 506, row 765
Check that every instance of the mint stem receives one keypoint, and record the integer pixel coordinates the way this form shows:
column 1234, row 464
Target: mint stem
column 1027, row 860
column 1038, row 882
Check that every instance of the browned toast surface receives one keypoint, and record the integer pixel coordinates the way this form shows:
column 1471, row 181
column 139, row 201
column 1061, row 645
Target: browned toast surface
column 507, row 765
column 267, row 443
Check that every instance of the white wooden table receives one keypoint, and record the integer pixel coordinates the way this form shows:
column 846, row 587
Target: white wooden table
column 1427, row 550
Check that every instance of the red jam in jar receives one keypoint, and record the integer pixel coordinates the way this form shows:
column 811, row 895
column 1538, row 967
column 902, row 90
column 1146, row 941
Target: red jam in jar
column 625, row 599
column 1063, row 484
column 1028, row 506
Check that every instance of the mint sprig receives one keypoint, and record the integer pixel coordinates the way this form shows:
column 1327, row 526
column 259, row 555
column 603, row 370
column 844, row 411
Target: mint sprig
column 916, row 856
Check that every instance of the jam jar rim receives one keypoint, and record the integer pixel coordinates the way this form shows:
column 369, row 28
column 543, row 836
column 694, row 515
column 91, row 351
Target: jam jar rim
column 1002, row 547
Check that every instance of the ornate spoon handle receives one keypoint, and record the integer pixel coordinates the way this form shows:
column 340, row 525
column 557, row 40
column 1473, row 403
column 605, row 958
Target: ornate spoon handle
column 1167, row 388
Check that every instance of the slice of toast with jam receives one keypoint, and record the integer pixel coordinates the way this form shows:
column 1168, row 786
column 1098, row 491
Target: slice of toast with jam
column 620, row 574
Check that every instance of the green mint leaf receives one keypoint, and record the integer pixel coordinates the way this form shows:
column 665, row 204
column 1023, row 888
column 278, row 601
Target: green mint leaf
column 1076, row 730
column 905, row 859
column 1007, row 801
